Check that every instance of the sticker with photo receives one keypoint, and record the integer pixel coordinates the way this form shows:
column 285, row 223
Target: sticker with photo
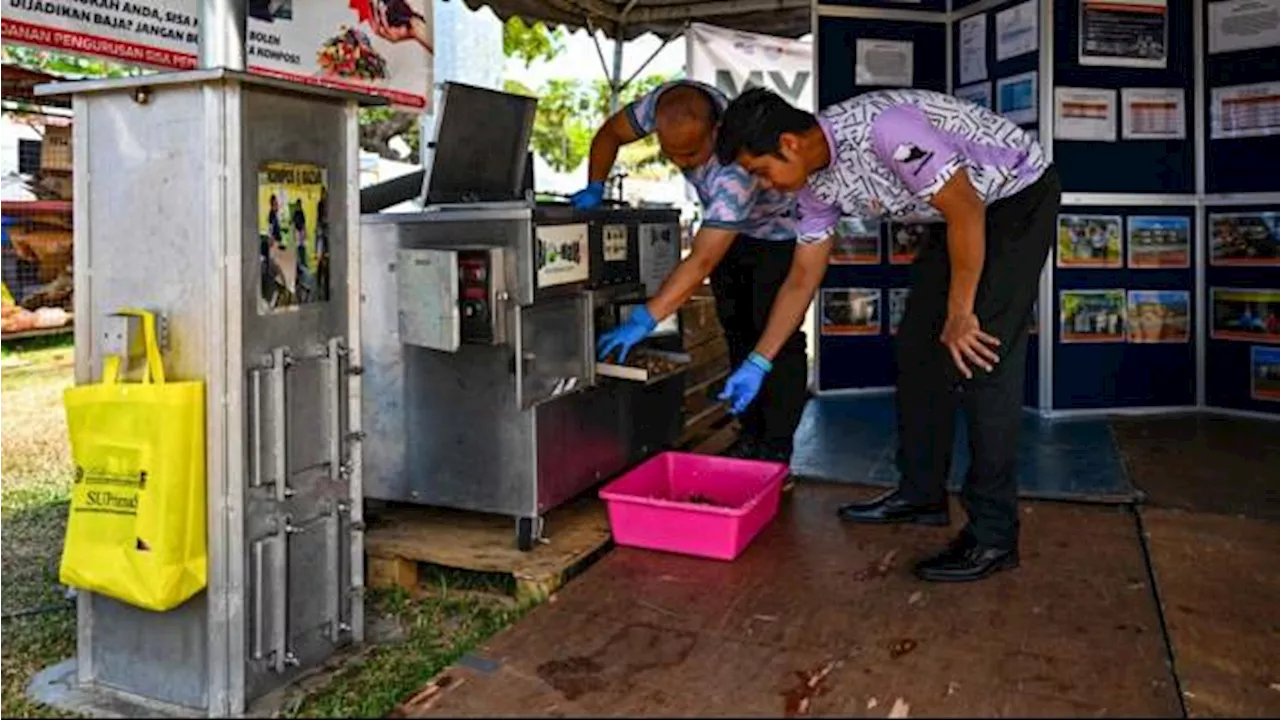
column 1264, row 373
column 1091, row 316
column 857, row 242
column 1244, row 314
column 1089, row 241
column 1159, row 316
column 850, row 311
column 1251, row 239
column 897, row 307
column 1159, row 241
column 906, row 239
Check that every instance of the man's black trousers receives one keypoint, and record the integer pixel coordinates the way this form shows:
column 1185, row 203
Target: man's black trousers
column 1020, row 232
column 745, row 283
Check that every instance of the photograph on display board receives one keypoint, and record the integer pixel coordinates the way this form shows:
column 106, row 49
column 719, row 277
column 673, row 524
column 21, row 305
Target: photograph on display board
column 906, row 239
column 1265, row 366
column 1245, row 239
column 293, row 236
column 1124, row 33
column 850, row 311
column 1159, row 241
column 897, row 307
column 1159, row 316
column 1016, row 98
column 857, row 242
column 1089, row 241
column 1091, row 316
column 1245, row 314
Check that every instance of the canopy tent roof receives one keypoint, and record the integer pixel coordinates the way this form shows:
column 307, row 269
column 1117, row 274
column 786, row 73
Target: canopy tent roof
column 630, row 19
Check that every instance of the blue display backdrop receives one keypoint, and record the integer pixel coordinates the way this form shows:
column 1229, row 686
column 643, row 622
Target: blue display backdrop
column 1124, row 308
column 1014, row 71
column 1235, row 145
column 1242, row 306
column 855, row 341
column 1161, row 166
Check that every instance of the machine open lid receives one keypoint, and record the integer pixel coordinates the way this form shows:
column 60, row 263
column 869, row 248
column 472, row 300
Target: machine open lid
column 481, row 146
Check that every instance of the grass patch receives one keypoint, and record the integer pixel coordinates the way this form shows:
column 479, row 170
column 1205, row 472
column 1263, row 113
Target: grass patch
column 454, row 612
column 39, row 628
column 436, row 629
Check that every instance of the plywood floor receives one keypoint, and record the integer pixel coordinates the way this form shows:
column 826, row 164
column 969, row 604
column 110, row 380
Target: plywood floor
column 819, row 618
column 1219, row 580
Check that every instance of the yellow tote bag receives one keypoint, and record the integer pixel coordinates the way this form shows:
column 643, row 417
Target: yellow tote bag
column 136, row 530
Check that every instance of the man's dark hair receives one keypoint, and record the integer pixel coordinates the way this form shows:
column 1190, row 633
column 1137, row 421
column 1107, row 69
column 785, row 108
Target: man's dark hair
column 755, row 121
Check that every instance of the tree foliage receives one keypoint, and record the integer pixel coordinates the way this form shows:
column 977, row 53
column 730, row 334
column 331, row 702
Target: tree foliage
column 64, row 65
column 531, row 43
column 570, row 112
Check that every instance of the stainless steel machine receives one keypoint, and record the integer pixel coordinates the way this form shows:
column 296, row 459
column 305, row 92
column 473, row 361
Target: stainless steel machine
column 480, row 315
column 200, row 196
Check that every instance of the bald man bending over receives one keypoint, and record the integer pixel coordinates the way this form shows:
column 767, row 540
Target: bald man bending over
column 745, row 243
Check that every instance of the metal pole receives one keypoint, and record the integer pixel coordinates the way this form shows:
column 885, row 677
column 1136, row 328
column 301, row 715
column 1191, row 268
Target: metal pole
column 222, row 34
column 615, row 82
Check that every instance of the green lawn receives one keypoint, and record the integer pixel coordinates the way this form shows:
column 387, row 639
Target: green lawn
column 448, row 616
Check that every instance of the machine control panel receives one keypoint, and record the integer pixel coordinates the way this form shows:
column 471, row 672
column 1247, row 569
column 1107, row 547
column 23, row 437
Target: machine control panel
column 475, row 296
column 615, row 254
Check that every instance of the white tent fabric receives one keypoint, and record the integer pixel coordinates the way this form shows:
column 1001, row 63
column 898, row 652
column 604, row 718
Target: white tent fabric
column 628, row 19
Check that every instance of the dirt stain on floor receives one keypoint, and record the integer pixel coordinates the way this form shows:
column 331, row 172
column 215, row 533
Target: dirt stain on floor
column 630, row 651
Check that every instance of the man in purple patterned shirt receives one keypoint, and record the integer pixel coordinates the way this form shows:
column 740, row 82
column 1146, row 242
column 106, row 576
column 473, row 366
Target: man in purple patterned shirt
column 963, row 336
column 745, row 243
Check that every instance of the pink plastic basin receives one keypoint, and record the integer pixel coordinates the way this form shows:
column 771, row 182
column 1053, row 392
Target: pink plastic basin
column 649, row 506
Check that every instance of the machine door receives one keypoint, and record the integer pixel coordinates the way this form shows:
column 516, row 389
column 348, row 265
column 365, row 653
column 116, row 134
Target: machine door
column 554, row 348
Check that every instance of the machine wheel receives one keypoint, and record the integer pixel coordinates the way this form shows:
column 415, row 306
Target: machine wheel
column 528, row 530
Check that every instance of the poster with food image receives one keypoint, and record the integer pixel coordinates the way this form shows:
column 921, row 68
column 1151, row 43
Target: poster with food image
column 1246, row 239
column 897, row 307
column 1159, row 316
column 1159, row 241
column 857, row 242
column 851, row 311
column 562, row 256
column 906, row 239
column 1089, row 241
column 380, row 47
column 293, row 235
column 1091, row 316
column 1264, row 364
column 1244, row 314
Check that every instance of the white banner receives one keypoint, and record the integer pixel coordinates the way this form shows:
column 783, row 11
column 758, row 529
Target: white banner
column 380, row 47
column 735, row 61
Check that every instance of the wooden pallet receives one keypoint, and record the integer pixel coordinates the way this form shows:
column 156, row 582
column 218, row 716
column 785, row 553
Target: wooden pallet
column 401, row 539
column 710, row 432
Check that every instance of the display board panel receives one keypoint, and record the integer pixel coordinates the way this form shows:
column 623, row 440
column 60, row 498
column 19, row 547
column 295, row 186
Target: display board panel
column 865, row 359
column 1242, row 97
column 1147, row 144
column 1242, row 307
column 1124, row 308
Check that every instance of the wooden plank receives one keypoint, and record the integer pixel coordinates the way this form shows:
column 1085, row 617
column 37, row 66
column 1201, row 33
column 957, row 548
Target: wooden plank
column 719, row 441
column 792, row 627
column 1218, row 583
column 486, row 543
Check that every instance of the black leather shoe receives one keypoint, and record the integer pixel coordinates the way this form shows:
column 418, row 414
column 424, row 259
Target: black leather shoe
column 965, row 561
column 891, row 508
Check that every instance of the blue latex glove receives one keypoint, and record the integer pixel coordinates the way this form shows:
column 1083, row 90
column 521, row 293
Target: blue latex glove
column 744, row 384
column 637, row 327
column 588, row 197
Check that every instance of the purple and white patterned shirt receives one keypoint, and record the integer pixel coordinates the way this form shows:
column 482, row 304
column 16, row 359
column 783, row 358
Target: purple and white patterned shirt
column 730, row 198
column 892, row 150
